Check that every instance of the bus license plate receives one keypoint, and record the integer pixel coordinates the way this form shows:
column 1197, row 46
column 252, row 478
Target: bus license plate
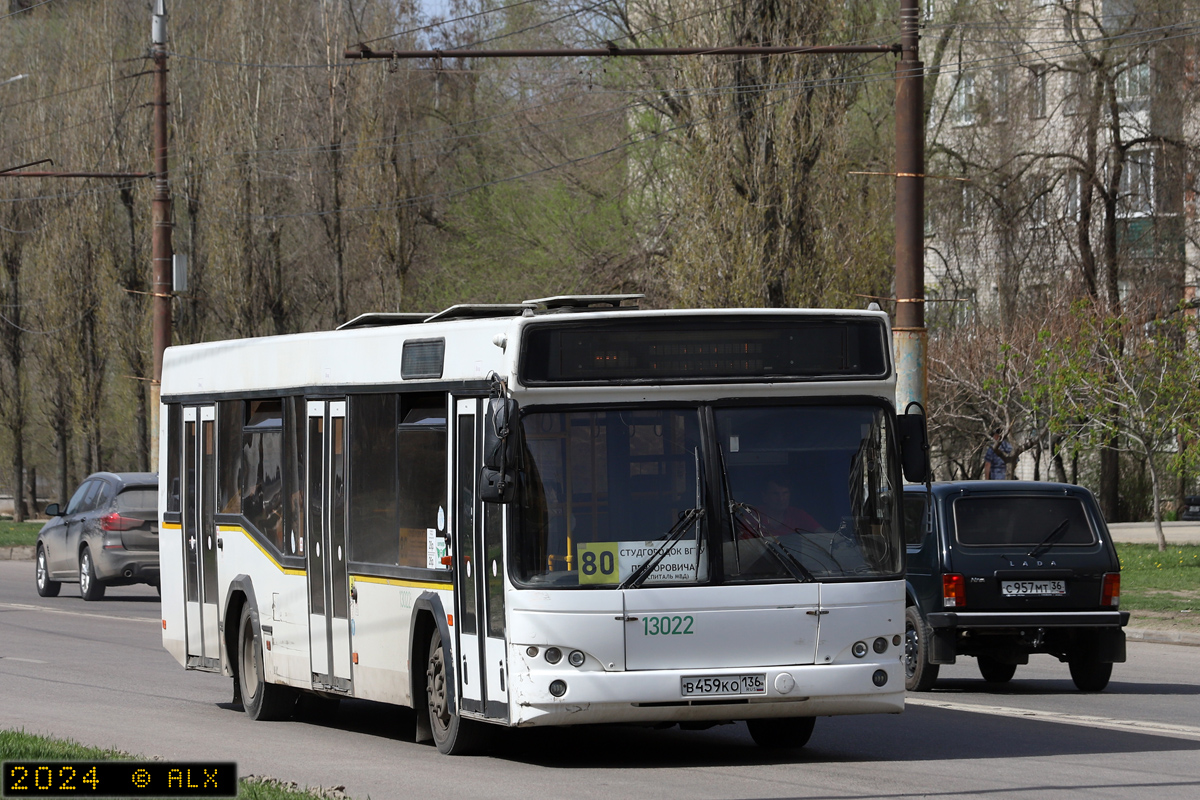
column 713, row 685
column 1029, row 588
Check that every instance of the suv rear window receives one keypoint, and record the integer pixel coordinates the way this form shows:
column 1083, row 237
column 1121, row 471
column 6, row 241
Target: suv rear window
column 1020, row 520
column 138, row 500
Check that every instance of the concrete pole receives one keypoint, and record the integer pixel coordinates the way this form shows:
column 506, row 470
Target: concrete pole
column 160, row 286
column 909, row 334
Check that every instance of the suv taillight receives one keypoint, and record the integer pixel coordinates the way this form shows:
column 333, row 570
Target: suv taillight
column 1110, row 593
column 954, row 594
column 115, row 522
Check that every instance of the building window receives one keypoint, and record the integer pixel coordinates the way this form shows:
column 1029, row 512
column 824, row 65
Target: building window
column 1000, row 94
column 1039, row 205
column 1073, row 189
column 969, row 207
column 1133, row 82
column 1038, row 90
column 1136, row 193
column 1077, row 90
column 964, row 103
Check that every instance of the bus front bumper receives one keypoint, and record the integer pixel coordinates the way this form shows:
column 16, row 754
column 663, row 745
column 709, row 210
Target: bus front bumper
column 597, row 696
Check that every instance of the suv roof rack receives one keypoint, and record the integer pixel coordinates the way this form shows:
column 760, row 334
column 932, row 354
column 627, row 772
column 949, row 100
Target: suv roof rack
column 374, row 318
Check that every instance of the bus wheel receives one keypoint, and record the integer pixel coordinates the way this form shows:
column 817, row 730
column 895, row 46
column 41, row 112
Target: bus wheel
column 781, row 733
column 453, row 735
column 261, row 700
column 919, row 674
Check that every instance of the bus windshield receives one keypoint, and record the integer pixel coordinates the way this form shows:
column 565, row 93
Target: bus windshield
column 800, row 493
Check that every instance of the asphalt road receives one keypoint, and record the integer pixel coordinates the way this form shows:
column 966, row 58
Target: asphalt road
column 96, row 672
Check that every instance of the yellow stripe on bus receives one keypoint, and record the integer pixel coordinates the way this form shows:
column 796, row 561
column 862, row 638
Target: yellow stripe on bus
column 403, row 582
column 261, row 549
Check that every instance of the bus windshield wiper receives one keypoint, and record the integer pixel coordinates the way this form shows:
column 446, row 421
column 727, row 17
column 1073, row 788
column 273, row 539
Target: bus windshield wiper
column 789, row 562
column 1053, row 537
column 686, row 520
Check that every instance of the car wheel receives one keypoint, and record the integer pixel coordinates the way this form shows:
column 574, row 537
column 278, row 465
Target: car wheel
column 260, row 700
column 786, row 733
column 994, row 671
column 45, row 586
column 453, row 735
column 1090, row 675
column 90, row 587
column 919, row 674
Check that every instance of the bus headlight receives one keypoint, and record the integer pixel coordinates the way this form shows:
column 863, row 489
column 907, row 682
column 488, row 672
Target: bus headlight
column 575, row 659
column 553, row 655
column 880, row 644
column 859, row 650
column 558, row 688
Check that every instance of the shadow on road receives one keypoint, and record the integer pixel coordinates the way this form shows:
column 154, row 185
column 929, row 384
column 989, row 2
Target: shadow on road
column 1019, row 688
column 920, row 734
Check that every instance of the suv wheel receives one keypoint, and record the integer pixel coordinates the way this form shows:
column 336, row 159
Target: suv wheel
column 45, row 586
column 1090, row 675
column 90, row 587
column 994, row 671
column 919, row 674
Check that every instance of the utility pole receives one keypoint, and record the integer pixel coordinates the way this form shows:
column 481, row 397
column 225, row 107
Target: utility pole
column 909, row 336
column 160, row 244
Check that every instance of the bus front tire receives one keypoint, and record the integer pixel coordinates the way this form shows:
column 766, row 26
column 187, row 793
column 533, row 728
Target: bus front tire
column 453, row 735
column 781, row 733
column 260, row 700
column 919, row 674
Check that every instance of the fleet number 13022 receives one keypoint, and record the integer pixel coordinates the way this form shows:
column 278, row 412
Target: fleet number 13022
column 667, row 626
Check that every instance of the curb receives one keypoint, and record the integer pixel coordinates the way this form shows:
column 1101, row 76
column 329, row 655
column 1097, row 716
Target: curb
column 23, row 553
column 1162, row 637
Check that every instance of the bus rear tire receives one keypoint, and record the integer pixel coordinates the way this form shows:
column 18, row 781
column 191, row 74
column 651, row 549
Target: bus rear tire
column 261, row 700
column 453, row 735
column 781, row 733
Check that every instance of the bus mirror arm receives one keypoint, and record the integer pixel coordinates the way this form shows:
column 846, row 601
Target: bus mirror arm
column 497, row 486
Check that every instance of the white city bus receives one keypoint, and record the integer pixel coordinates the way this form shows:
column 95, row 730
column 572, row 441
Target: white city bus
column 555, row 512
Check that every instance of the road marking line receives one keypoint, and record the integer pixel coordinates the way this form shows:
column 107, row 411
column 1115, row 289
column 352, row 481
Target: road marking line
column 24, row 607
column 25, row 660
column 1125, row 725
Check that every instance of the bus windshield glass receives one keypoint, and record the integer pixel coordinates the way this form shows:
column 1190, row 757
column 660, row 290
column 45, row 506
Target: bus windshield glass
column 605, row 491
column 803, row 493
column 810, row 491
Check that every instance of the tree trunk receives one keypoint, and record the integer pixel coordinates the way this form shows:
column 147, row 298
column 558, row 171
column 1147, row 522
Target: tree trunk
column 1110, row 481
column 1158, row 528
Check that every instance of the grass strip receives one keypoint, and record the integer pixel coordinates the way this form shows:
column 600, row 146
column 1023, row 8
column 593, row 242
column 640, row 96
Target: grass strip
column 17, row 534
column 1154, row 581
column 22, row 746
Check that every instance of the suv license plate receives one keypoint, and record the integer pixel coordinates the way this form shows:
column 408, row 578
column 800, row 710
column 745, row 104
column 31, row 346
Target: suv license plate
column 715, row 685
column 1027, row 588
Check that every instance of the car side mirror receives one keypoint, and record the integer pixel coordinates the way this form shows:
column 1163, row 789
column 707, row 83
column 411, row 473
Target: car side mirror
column 914, row 446
column 52, row 510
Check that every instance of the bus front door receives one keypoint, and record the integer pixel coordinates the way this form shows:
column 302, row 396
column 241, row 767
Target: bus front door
column 199, row 537
column 328, row 579
column 478, row 577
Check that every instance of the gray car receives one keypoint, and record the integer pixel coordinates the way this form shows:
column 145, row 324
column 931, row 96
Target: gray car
column 106, row 536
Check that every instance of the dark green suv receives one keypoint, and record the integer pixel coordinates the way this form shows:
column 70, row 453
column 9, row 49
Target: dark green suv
column 1002, row 569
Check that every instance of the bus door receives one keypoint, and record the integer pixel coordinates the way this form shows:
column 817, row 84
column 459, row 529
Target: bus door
column 478, row 577
column 328, row 581
column 200, row 537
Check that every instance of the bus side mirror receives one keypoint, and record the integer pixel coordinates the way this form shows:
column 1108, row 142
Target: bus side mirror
column 498, row 478
column 914, row 447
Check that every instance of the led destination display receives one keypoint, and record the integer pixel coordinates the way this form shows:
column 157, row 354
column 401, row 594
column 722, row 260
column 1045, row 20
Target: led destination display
column 699, row 349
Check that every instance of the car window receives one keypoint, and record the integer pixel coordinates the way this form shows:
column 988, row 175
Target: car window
column 1020, row 520
column 140, row 498
column 914, row 518
column 86, row 489
column 103, row 496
